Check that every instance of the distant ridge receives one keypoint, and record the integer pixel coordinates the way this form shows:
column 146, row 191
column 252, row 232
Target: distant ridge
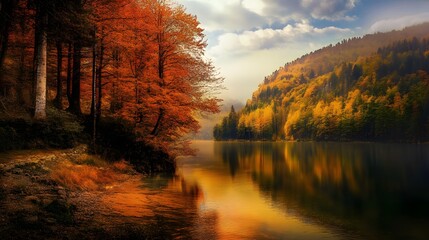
column 324, row 59
column 371, row 88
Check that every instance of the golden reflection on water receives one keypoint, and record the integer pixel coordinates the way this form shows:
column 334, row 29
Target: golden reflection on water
column 132, row 199
column 361, row 190
column 169, row 204
column 241, row 190
column 242, row 210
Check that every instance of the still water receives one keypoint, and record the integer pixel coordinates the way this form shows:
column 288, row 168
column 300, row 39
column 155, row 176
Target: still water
column 265, row 190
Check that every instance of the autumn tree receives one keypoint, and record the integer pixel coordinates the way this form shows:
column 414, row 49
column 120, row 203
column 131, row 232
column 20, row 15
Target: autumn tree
column 7, row 11
column 375, row 98
column 41, row 43
column 163, row 78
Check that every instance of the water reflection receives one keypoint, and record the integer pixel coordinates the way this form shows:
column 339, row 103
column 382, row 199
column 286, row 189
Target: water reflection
column 372, row 190
column 263, row 190
column 224, row 172
column 166, row 206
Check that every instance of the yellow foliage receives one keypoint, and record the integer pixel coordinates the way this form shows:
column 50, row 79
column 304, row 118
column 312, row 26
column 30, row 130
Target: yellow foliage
column 292, row 118
column 336, row 107
column 258, row 119
column 310, row 90
column 320, row 110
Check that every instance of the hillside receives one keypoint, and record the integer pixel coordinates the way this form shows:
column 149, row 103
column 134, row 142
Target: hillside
column 373, row 88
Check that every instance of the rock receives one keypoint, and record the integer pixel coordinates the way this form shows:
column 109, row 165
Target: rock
column 50, row 220
column 35, row 178
column 32, row 199
column 62, row 211
column 62, row 193
column 46, row 202
column 17, row 171
column 46, row 181
column 30, row 219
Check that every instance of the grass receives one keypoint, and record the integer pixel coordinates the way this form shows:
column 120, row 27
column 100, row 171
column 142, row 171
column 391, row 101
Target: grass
column 89, row 173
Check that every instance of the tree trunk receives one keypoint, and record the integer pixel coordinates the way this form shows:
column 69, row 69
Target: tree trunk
column 41, row 63
column 7, row 8
column 155, row 130
column 94, row 89
column 59, row 98
column 99, row 80
column 161, row 61
column 21, row 71
column 69, row 74
column 21, row 75
column 75, row 105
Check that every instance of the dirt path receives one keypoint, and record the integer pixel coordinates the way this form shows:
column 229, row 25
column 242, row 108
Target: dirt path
column 34, row 205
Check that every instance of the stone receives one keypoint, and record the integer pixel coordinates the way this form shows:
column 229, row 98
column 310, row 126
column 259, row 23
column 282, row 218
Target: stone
column 46, row 202
column 62, row 193
column 17, row 171
column 32, row 199
column 30, row 219
column 50, row 220
column 35, row 178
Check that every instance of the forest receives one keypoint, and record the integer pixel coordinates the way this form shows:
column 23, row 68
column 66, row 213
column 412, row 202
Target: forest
column 373, row 88
column 103, row 67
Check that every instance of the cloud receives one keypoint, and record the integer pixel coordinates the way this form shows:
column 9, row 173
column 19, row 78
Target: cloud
column 332, row 10
column 398, row 23
column 268, row 38
column 248, row 39
column 238, row 15
column 256, row 6
column 224, row 15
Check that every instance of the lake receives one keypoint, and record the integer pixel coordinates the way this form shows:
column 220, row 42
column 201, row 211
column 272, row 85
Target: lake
column 295, row 190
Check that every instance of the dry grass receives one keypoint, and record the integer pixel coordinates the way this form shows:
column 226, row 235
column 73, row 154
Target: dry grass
column 89, row 173
column 122, row 166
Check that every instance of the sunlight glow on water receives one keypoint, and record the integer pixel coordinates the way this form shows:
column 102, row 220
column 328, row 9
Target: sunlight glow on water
column 263, row 190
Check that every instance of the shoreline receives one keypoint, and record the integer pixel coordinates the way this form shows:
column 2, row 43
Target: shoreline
column 38, row 203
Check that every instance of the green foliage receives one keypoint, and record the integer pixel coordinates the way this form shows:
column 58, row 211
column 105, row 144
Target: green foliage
column 228, row 129
column 379, row 97
column 61, row 130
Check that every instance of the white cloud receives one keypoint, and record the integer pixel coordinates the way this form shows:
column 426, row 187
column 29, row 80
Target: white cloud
column 247, row 41
column 239, row 15
column 398, row 23
column 256, row 6
column 224, row 15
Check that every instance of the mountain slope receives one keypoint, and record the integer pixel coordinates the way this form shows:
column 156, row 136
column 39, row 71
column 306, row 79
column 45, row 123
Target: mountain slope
column 370, row 88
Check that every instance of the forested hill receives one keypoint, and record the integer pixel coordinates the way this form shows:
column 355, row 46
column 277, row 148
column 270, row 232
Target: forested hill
column 374, row 88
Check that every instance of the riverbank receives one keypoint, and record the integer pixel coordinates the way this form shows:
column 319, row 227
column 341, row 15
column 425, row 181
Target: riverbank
column 59, row 194
column 115, row 139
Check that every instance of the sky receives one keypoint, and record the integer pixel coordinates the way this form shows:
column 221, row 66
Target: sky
column 250, row 39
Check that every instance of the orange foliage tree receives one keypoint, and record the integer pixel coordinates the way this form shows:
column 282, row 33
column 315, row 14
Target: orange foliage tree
column 159, row 79
column 147, row 57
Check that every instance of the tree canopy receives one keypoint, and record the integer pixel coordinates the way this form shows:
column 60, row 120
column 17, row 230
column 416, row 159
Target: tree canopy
column 139, row 61
column 381, row 96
